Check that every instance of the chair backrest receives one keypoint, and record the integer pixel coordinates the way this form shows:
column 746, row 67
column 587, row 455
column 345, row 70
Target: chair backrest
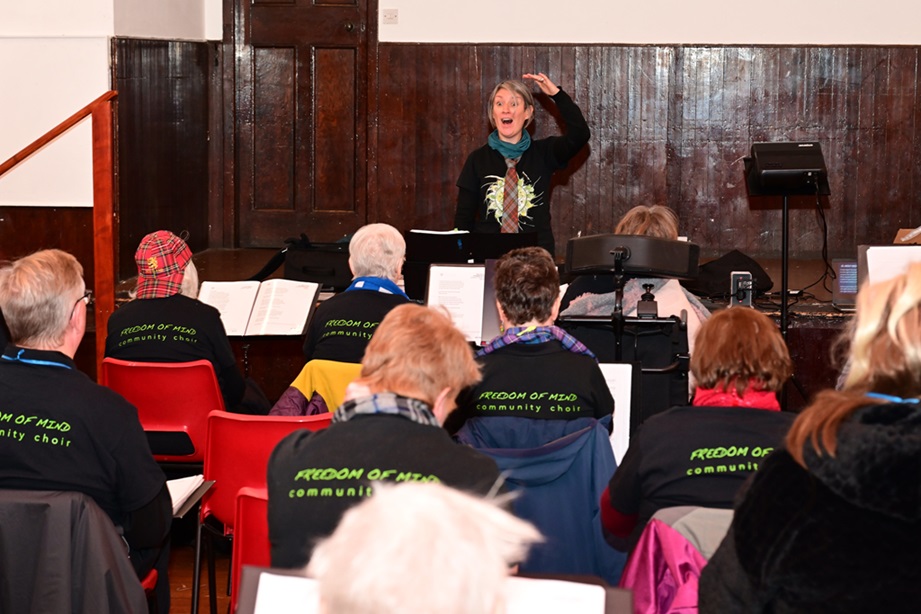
column 703, row 527
column 251, row 536
column 237, row 455
column 60, row 552
column 173, row 401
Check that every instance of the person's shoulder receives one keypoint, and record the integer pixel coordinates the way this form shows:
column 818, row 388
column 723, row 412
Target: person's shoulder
column 295, row 445
column 103, row 400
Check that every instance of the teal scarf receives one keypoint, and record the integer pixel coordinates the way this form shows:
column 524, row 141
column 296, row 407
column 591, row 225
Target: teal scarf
column 510, row 150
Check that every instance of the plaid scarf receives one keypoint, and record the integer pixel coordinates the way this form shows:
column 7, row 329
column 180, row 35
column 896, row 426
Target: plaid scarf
column 387, row 403
column 532, row 335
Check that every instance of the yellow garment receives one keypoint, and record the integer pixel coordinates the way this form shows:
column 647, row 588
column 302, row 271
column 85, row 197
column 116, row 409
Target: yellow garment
column 327, row 377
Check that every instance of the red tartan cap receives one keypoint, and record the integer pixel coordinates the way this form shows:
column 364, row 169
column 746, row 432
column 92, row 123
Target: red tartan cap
column 161, row 259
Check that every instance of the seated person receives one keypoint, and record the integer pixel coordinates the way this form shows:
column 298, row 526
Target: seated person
column 74, row 434
column 534, row 369
column 342, row 325
column 167, row 323
column 701, row 455
column 593, row 295
column 388, row 429
column 832, row 522
column 462, row 545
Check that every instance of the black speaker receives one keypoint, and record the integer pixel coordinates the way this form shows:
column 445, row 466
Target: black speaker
column 786, row 168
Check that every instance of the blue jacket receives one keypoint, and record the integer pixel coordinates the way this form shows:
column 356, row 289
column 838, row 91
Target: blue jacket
column 559, row 469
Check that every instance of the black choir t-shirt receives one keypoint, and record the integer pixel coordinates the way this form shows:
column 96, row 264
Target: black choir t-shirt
column 313, row 478
column 693, row 456
column 544, row 381
column 61, row 431
column 175, row 329
column 342, row 325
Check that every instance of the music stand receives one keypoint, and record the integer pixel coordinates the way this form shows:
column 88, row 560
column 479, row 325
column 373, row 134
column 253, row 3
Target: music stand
column 426, row 248
column 625, row 256
column 786, row 169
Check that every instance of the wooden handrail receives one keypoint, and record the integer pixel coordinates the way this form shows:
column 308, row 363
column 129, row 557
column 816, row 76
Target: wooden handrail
column 104, row 219
column 55, row 132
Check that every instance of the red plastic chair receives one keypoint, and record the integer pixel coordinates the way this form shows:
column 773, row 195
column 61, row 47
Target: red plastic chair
column 250, row 536
column 171, row 398
column 237, row 456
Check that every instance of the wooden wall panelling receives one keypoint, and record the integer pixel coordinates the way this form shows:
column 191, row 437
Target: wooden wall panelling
column 163, row 152
column 24, row 230
column 670, row 125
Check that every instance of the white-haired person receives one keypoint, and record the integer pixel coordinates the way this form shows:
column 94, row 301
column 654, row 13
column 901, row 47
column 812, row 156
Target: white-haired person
column 389, row 428
column 832, row 523
column 74, row 435
column 420, row 548
column 342, row 325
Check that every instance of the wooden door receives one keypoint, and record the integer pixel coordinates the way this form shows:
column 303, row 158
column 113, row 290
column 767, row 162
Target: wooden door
column 301, row 128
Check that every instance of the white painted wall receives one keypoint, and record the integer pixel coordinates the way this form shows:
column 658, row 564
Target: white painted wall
column 54, row 60
column 168, row 19
column 793, row 22
column 62, row 75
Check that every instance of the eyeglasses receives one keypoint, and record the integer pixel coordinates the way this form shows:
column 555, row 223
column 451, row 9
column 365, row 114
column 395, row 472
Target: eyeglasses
column 86, row 298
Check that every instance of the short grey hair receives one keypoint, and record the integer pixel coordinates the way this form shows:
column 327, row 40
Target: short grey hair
column 461, row 544
column 38, row 294
column 377, row 250
column 190, row 284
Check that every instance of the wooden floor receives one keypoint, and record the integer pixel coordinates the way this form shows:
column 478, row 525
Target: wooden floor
column 182, row 558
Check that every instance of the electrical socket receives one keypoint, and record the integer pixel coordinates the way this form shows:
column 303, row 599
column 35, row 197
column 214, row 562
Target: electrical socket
column 741, row 288
column 390, row 17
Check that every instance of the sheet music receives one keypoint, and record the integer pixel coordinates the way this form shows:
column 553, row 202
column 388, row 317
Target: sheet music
column 459, row 289
column 272, row 307
column 283, row 594
column 619, row 378
column 234, row 299
column 887, row 261
column 277, row 594
column 537, row 596
column 282, row 307
column 440, row 232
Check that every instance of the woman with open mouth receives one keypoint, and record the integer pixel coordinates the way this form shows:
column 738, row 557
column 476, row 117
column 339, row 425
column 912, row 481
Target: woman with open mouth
column 505, row 184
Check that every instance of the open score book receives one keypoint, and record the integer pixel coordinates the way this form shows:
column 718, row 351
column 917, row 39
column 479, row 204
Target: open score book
column 272, row 307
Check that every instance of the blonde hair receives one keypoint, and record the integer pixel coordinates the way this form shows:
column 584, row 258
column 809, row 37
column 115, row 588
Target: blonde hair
column 38, row 294
column 652, row 221
column 885, row 357
column 420, row 547
column 418, row 348
column 737, row 345
column 377, row 250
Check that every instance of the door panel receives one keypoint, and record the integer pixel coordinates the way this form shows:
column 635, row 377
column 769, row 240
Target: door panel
column 301, row 133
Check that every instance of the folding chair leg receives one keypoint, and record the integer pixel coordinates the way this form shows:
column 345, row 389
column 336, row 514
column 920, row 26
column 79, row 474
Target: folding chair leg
column 196, row 569
column 212, row 577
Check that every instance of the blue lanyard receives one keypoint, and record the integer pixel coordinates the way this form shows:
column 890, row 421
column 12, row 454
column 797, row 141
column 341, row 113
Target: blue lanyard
column 891, row 398
column 33, row 361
